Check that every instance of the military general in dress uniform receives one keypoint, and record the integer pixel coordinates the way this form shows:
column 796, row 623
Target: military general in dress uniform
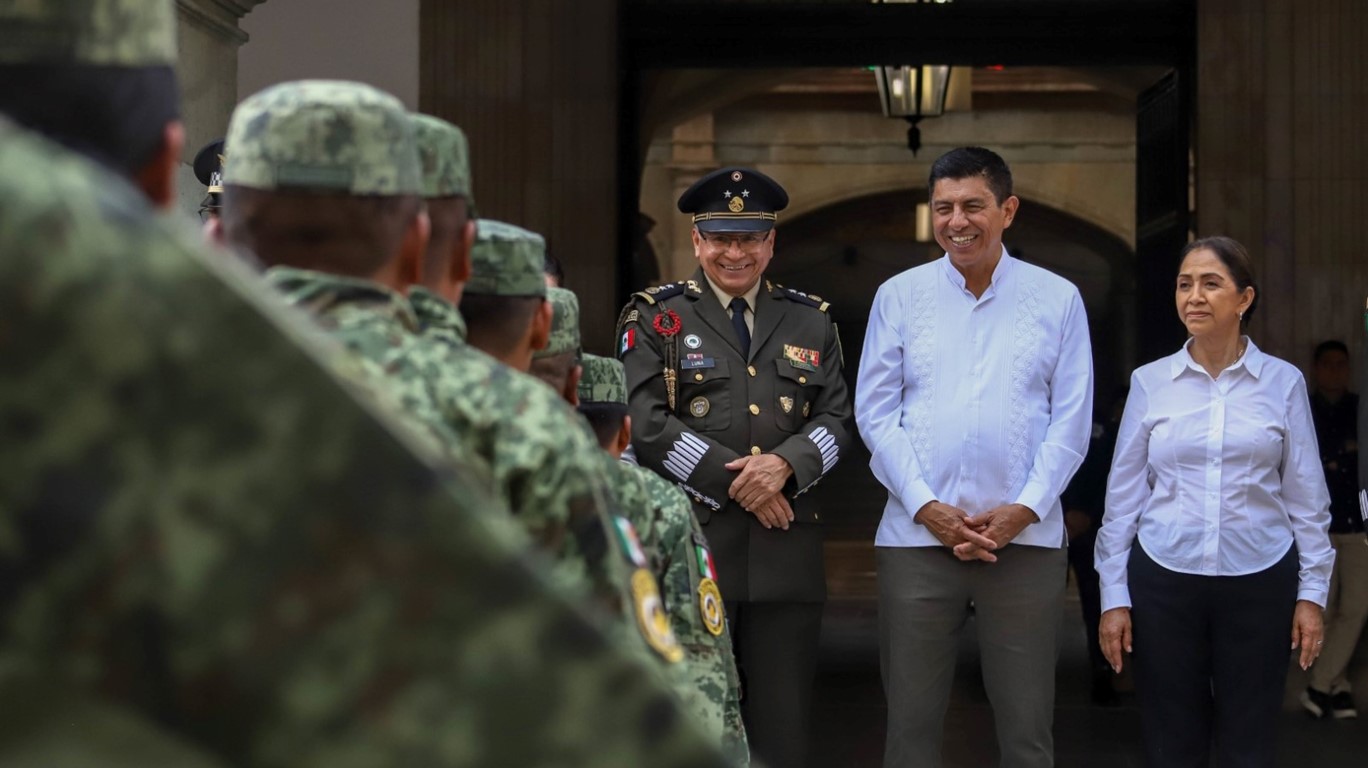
column 736, row 394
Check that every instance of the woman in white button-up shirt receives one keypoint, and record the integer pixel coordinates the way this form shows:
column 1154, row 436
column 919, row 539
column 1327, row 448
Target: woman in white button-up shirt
column 1214, row 546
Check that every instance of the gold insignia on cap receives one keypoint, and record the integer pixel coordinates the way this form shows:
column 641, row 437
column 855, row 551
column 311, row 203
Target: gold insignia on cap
column 737, row 205
column 710, row 606
column 699, row 407
column 736, row 175
column 651, row 617
column 786, row 403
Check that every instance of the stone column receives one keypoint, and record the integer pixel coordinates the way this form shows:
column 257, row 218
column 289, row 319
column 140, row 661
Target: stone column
column 208, row 38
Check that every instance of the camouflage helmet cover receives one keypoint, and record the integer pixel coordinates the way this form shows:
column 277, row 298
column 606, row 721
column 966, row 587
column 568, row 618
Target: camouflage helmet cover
column 326, row 135
column 124, row 33
column 507, row 261
column 603, row 381
column 565, row 325
column 444, row 154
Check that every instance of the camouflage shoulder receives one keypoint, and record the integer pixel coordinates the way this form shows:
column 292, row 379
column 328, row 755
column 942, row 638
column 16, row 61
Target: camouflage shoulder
column 807, row 299
column 658, row 293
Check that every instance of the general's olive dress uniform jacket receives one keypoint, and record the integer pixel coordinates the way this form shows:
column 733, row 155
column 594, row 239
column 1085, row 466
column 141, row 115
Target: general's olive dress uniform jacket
column 788, row 398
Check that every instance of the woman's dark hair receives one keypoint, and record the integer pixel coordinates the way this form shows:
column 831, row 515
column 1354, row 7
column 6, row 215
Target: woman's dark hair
column 1237, row 263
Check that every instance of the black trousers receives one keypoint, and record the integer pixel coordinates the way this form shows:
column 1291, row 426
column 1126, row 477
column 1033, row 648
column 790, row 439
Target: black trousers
column 1211, row 655
column 776, row 652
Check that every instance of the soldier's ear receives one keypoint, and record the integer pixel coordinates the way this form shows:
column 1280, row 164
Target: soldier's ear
column 541, row 326
column 572, row 381
column 624, row 436
column 460, row 260
column 413, row 249
column 157, row 179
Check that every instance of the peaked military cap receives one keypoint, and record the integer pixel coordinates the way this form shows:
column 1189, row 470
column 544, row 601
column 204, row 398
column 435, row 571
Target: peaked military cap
column 209, row 170
column 603, row 381
column 506, row 261
column 565, row 324
column 120, row 33
column 734, row 200
column 324, row 135
column 444, row 154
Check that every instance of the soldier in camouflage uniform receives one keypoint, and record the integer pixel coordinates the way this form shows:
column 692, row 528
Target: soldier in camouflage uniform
column 208, row 539
column 444, row 154
column 505, row 307
column 557, row 363
column 369, row 167
column 679, row 553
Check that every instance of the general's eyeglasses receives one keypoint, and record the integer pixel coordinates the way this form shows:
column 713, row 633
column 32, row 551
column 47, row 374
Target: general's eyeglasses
column 746, row 242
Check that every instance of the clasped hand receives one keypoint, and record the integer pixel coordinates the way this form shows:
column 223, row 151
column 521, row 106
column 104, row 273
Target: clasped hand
column 757, row 488
column 975, row 537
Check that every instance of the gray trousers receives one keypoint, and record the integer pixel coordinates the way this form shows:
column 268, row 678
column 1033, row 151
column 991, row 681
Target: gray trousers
column 924, row 598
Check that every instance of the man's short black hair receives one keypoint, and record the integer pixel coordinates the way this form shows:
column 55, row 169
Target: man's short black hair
column 554, row 269
column 328, row 231
column 1330, row 345
column 605, row 419
column 116, row 116
column 496, row 324
column 967, row 162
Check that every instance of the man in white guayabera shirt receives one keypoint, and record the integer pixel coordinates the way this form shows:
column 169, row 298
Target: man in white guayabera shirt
column 975, row 399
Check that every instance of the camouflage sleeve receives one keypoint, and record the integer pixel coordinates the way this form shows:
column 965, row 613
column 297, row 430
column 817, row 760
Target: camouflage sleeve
column 200, row 524
column 696, row 611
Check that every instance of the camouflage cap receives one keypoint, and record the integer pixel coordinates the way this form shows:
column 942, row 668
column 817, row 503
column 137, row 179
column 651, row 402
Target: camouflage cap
column 507, row 261
column 123, row 33
column 565, row 325
column 603, row 381
column 445, row 157
column 323, row 134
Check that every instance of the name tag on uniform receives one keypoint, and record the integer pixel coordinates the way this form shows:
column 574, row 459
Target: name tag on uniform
column 692, row 362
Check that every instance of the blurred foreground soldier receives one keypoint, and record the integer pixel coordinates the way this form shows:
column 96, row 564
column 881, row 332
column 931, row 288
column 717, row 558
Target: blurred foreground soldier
column 208, row 539
column 97, row 77
column 558, row 363
column 736, row 394
column 209, row 170
column 680, row 556
column 504, row 304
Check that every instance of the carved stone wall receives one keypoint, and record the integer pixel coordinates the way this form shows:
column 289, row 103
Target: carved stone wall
column 208, row 37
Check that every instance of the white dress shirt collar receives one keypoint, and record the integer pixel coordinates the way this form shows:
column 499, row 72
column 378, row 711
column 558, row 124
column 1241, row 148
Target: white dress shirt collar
column 1000, row 273
column 726, row 298
column 1252, row 360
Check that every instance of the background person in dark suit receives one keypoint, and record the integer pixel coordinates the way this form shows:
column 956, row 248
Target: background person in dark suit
column 1334, row 410
column 736, row 394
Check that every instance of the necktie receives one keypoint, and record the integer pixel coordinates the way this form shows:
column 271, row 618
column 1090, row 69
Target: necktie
column 738, row 310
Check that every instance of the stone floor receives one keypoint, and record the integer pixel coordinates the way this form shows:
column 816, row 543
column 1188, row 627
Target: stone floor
column 849, row 714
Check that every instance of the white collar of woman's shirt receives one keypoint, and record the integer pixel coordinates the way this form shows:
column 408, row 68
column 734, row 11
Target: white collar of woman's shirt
column 1252, row 360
